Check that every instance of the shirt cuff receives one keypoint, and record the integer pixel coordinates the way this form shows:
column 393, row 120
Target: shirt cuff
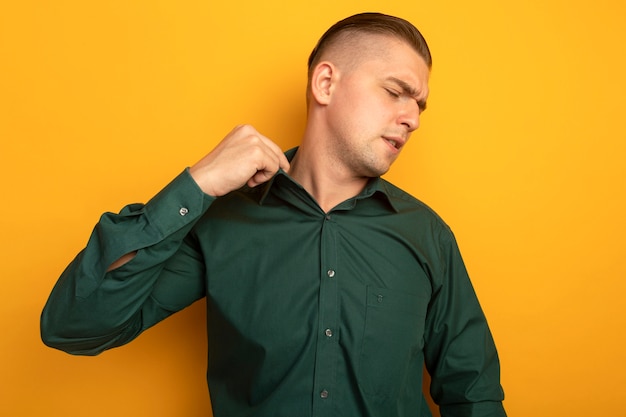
column 181, row 202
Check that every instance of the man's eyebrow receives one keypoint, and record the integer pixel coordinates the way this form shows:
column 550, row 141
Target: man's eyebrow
column 409, row 90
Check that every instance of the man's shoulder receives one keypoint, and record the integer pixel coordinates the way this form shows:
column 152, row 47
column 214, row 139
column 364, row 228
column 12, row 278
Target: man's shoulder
column 402, row 199
column 408, row 204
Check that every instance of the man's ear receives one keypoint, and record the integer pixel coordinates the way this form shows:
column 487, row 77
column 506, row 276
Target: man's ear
column 323, row 81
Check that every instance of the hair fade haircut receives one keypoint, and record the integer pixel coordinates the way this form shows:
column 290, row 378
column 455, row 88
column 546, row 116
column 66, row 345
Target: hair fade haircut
column 373, row 23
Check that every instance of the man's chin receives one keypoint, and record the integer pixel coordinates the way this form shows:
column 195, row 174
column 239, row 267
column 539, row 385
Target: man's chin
column 377, row 171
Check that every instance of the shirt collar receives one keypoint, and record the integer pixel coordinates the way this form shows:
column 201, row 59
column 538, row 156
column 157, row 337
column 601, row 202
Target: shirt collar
column 376, row 187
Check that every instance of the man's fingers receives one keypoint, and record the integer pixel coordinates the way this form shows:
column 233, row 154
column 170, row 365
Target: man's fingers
column 244, row 156
column 284, row 162
column 260, row 177
column 275, row 149
column 270, row 165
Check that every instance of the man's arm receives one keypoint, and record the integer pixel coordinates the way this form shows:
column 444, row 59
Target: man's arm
column 460, row 353
column 93, row 307
column 140, row 265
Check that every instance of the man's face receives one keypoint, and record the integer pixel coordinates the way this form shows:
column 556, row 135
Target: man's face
column 375, row 106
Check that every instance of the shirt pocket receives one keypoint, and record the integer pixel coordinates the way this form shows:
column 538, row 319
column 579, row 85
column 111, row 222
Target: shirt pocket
column 392, row 338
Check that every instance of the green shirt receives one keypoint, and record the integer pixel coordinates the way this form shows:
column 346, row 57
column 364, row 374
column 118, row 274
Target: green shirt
column 309, row 313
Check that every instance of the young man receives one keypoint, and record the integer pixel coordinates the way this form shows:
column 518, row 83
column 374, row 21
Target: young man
column 327, row 287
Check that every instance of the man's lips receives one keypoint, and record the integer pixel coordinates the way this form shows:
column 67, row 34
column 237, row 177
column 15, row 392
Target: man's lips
column 395, row 141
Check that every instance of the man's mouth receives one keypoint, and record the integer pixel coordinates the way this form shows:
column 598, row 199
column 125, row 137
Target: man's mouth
column 396, row 142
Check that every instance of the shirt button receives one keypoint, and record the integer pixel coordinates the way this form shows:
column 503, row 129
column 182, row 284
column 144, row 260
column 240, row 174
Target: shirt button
column 331, row 273
column 324, row 394
column 183, row 211
column 328, row 217
column 328, row 333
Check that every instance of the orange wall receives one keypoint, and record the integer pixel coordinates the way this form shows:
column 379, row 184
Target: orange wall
column 522, row 151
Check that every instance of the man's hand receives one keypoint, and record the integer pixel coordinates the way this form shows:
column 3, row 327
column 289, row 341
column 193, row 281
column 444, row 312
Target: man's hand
column 244, row 156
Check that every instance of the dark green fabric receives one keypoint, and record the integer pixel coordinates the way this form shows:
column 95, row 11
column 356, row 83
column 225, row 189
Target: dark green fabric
column 309, row 313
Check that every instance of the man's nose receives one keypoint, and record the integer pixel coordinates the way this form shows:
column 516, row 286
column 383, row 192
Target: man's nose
column 410, row 116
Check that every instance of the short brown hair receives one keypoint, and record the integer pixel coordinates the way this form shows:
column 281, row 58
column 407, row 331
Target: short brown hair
column 373, row 23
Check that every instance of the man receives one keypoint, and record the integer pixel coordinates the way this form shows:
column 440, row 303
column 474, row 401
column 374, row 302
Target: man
column 328, row 288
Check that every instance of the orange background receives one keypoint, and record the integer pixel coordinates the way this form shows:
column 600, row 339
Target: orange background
column 522, row 152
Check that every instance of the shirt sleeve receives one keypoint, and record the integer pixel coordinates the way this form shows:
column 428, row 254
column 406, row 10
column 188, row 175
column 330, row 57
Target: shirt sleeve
column 90, row 310
column 460, row 353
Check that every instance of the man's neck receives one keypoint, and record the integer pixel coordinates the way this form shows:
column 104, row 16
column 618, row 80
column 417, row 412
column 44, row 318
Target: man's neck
column 322, row 179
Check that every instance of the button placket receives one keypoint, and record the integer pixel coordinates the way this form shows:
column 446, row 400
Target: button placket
column 327, row 346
